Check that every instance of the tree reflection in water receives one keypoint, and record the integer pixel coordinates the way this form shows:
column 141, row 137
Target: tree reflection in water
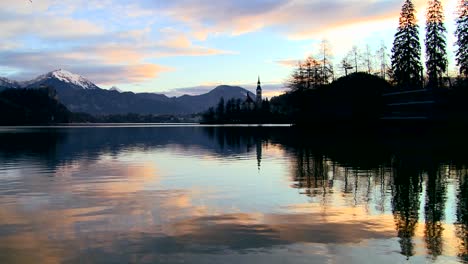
column 462, row 213
column 407, row 174
column 406, row 179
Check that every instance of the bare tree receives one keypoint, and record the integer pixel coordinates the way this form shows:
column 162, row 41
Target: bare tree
column 346, row 66
column 368, row 59
column 354, row 56
column 325, row 55
column 383, row 56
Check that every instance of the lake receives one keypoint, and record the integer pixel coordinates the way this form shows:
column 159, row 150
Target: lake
column 207, row 194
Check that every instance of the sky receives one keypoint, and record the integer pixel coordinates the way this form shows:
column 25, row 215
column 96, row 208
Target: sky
column 191, row 46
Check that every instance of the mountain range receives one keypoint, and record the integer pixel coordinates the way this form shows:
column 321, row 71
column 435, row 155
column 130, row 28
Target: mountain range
column 81, row 95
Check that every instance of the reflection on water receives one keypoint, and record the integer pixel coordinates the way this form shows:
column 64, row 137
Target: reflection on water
column 230, row 194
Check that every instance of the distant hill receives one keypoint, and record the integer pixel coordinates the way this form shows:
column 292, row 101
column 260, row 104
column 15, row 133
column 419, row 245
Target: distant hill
column 81, row 95
column 31, row 107
column 198, row 103
column 8, row 84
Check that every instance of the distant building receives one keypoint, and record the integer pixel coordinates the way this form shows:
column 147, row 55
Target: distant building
column 249, row 103
column 259, row 93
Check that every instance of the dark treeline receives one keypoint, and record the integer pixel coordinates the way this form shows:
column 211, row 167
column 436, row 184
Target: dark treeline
column 132, row 118
column 399, row 89
column 31, row 107
column 236, row 111
column 41, row 106
column 354, row 97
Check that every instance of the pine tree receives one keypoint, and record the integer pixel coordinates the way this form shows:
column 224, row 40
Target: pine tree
column 406, row 51
column 436, row 54
column 462, row 37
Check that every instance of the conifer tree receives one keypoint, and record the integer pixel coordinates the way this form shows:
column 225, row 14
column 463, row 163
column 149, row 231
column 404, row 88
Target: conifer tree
column 462, row 37
column 436, row 54
column 406, row 51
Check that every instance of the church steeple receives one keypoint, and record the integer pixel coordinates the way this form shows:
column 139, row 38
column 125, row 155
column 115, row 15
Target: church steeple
column 259, row 93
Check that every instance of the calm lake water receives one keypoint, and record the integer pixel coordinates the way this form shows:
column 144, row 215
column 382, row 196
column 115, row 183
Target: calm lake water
column 193, row 194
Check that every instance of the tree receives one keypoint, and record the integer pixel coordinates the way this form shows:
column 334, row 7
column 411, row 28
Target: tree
column 220, row 109
column 325, row 57
column 307, row 75
column 31, row 107
column 406, row 51
column 296, row 82
column 312, row 70
column 354, row 56
column 368, row 59
column 346, row 66
column 382, row 56
column 436, row 54
column 462, row 37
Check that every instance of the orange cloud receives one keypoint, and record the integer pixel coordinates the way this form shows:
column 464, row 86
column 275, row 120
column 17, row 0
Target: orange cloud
column 138, row 73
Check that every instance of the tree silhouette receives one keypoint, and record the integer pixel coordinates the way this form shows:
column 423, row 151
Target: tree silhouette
column 406, row 51
column 220, row 110
column 306, row 76
column 346, row 66
column 436, row 54
column 462, row 215
column 325, row 55
column 355, row 56
column 297, row 82
column 31, row 107
column 368, row 59
column 383, row 57
column 462, row 37
column 405, row 205
column 434, row 212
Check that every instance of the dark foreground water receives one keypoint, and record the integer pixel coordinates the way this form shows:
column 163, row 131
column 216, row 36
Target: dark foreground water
column 166, row 194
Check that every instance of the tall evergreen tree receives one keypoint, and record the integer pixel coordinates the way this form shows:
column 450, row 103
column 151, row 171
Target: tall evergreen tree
column 462, row 37
column 436, row 54
column 406, row 51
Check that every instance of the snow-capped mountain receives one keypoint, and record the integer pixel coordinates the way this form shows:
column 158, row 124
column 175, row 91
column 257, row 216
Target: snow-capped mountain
column 114, row 88
column 81, row 95
column 8, row 84
column 60, row 78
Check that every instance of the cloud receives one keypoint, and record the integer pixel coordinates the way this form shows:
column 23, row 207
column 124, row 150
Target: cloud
column 54, row 34
column 295, row 18
column 97, row 69
column 179, row 44
column 44, row 26
column 288, row 62
column 120, row 37
column 131, row 74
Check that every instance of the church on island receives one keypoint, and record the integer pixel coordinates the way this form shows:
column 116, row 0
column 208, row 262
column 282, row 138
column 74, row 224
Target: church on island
column 250, row 103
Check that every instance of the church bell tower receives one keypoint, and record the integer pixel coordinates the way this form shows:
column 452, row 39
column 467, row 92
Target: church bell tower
column 259, row 93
